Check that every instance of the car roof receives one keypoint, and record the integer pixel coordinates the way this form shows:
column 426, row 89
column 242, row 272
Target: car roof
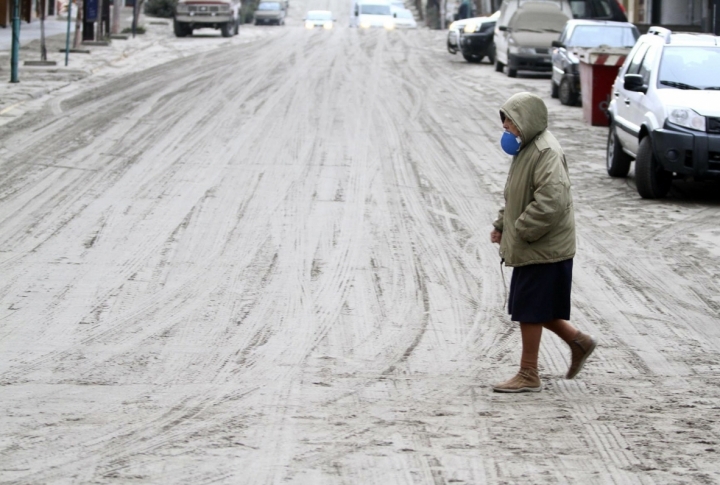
column 668, row 37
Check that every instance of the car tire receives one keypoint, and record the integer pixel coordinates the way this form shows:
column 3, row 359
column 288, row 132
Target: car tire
column 512, row 72
column 553, row 89
column 567, row 96
column 616, row 160
column 499, row 66
column 653, row 182
column 236, row 31
column 491, row 56
column 226, row 29
column 471, row 58
column 179, row 29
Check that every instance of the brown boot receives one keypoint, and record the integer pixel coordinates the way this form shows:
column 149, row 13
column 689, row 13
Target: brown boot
column 526, row 380
column 581, row 347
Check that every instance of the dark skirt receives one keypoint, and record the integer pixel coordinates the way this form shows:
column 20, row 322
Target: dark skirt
column 541, row 292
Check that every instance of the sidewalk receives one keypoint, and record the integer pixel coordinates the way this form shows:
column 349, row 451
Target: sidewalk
column 31, row 31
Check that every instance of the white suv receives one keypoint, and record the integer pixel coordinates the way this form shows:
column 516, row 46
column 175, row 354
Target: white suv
column 665, row 111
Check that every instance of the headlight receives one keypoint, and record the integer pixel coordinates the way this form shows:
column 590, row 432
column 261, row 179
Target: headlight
column 224, row 8
column 686, row 117
column 469, row 28
column 452, row 25
column 365, row 24
column 328, row 25
column 389, row 25
column 309, row 25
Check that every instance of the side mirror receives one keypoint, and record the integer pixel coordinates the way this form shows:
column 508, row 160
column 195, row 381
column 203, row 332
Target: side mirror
column 634, row 82
column 503, row 28
column 395, row 15
column 557, row 43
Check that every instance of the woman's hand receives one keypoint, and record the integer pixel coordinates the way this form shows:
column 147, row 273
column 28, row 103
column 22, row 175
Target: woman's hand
column 495, row 236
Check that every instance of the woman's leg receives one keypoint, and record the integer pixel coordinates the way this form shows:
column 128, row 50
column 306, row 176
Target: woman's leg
column 531, row 334
column 581, row 344
column 563, row 329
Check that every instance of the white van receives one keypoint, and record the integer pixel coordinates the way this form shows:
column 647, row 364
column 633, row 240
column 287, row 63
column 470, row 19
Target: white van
column 368, row 14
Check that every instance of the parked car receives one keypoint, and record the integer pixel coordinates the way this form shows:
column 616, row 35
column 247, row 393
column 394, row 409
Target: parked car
column 270, row 13
column 453, row 37
column 203, row 14
column 579, row 9
column 404, row 18
column 580, row 34
column 665, row 111
column 524, row 43
column 476, row 39
column 319, row 18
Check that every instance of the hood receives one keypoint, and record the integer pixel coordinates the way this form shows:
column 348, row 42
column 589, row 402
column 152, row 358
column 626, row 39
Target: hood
column 704, row 103
column 528, row 112
column 523, row 38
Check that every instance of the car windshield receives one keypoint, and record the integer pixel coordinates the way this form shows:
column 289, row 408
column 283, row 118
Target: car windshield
column 690, row 67
column 596, row 35
column 404, row 14
column 539, row 21
column 269, row 6
column 319, row 15
column 370, row 9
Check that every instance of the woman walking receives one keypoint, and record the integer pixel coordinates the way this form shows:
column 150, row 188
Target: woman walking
column 536, row 233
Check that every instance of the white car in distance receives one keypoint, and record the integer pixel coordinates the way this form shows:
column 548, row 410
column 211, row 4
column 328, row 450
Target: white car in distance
column 319, row 18
column 404, row 18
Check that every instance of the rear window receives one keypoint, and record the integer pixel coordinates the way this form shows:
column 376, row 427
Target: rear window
column 596, row 9
column 594, row 36
column 319, row 15
column 269, row 6
column 539, row 21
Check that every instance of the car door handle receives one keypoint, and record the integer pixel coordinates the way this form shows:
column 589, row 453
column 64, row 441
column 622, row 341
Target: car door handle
column 617, row 94
column 627, row 102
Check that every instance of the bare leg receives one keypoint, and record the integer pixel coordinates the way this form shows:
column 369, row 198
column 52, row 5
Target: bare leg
column 563, row 329
column 531, row 334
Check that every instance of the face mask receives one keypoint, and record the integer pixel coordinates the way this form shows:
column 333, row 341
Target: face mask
column 510, row 143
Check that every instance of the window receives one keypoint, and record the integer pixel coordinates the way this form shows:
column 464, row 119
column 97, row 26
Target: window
column 648, row 64
column 634, row 66
column 593, row 36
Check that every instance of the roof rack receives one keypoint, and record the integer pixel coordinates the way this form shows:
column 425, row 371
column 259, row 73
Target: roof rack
column 660, row 32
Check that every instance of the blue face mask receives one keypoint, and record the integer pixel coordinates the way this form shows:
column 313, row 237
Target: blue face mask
column 510, row 143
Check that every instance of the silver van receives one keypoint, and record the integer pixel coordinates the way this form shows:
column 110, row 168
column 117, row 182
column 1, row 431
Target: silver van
column 578, row 9
column 524, row 42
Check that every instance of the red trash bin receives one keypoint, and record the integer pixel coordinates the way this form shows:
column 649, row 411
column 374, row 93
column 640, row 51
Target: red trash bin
column 598, row 70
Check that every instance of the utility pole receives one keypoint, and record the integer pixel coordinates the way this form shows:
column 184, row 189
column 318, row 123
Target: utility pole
column 101, row 8
column 15, row 42
column 115, row 29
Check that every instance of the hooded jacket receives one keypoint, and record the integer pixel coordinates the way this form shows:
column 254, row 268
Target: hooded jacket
column 538, row 221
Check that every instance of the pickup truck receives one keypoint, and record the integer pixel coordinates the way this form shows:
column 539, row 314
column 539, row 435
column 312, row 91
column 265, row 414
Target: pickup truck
column 207, row 14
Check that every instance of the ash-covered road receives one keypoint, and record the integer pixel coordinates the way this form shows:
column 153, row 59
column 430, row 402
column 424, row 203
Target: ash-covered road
column 269, row 263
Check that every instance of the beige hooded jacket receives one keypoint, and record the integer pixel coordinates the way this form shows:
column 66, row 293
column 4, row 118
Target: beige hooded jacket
column 538, row 221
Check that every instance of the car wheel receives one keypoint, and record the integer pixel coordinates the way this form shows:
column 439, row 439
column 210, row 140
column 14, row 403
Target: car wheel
column 553, row 89
column 470, row 57
column 499, row 66
column 616, row 160
column 567, row 96
column 237, row 27
column 179, row 29
column 653, row 182
column 227, row 29
column 491, row 57
column 512, row 72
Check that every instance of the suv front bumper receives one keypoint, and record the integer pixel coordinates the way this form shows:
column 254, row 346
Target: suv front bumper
column 530, row 62
column 202, row 18
column 477, row 44
column 687, row 152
